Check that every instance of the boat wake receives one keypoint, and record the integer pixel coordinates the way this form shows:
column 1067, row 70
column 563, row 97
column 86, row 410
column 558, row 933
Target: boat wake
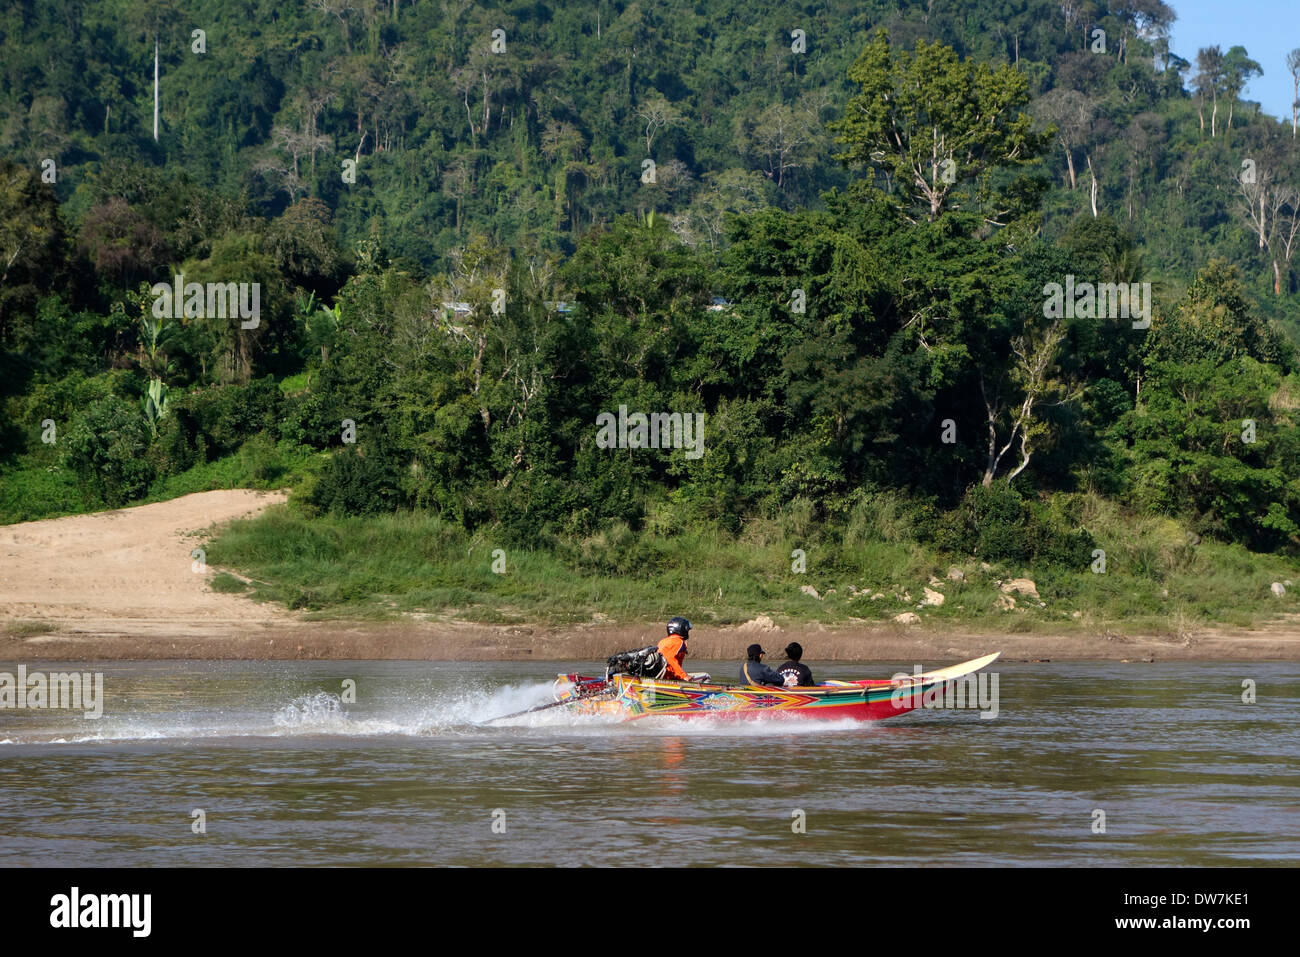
column 315, row 713
column 472, row 708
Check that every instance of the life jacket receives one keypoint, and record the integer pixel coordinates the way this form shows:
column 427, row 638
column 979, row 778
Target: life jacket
column 673, row 648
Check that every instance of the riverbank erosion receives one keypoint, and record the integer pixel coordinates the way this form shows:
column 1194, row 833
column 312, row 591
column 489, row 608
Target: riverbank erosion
column 276, row 639
column 128, row 584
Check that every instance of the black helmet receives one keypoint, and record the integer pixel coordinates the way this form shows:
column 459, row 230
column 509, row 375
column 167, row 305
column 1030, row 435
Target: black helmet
column 679, row 626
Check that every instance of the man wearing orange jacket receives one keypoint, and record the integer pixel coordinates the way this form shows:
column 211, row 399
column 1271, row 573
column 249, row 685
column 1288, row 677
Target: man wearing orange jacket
column 673, row 648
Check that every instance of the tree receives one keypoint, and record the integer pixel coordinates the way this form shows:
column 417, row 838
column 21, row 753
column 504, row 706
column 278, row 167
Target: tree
column 1142, row 146
column 1293, row 64
column 1272, row 210
column 304, row 247
column 1071, row 113
column 778, row 139
column 1186, row 455
column 479, row 268
column 1238, row 70
column 31, row 242
column 1148, row 19
column 231, row 348
column 1216, row 320
column 658, row 114
column 733, row 191
column 1031, row 375
column 458, row 181
column 296, row 143
column 340, row 10
column 122, row 242
column 562, row 141
column 1208, row 80
column 463, row 80
column 638, row 284
column 931, row 124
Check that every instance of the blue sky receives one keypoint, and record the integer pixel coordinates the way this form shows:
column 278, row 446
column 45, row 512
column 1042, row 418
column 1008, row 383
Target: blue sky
column 1268, row 29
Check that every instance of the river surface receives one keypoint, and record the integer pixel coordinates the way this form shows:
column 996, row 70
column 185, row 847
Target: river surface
column 286, row 769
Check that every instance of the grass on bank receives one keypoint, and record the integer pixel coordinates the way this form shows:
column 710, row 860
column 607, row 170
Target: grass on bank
column 1155, row 580
column 26, row 628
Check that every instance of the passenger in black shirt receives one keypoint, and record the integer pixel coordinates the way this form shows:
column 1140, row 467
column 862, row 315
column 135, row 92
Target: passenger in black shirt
column 794, row 673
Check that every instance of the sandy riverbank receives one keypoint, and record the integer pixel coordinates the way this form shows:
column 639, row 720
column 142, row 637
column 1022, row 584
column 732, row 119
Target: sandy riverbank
column 122, row 585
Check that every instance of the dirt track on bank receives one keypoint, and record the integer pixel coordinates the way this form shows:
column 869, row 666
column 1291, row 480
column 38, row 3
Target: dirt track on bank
column 120, row 585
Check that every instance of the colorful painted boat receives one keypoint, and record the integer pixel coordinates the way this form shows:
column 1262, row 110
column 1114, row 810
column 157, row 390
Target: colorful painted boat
column 866, row 700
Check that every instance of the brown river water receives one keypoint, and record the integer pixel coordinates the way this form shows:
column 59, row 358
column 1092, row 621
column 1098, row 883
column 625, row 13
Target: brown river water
column 390, row 763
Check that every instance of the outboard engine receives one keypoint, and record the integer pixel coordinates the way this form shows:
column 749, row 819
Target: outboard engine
column 642, row 663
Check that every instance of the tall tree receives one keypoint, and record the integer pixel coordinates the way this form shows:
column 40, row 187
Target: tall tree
column 1033, row 382
column 1271, row 209
column 931, row 124
column 1208, row 81
column 1293, row 64
column 1238, row 70
column 1071, row 112
column 657, row 114
column 31, row 243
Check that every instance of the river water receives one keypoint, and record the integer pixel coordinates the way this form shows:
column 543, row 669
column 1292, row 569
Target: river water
column 272, row 763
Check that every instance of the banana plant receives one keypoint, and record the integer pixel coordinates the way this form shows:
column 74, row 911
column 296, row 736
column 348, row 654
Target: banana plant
column 306, row 305
column 155, row 404
column 151, row 330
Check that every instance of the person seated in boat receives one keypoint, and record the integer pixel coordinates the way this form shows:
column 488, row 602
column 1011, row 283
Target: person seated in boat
column 754, row 672
column 794, row 673
column 673, row 648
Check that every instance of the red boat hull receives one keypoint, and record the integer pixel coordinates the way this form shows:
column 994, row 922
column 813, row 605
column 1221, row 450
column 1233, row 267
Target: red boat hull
column 868, row 700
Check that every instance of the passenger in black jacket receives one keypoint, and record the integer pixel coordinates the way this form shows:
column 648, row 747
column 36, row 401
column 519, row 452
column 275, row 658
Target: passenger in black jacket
column 754, row 672
column 794, row 672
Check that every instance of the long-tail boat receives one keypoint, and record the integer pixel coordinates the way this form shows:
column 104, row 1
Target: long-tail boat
column 868, row 699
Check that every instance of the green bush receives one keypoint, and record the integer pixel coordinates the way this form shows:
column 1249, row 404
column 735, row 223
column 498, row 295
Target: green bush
column 619, row 551
column 358, row 482
column 107, row 447
column 36, row 492
column 996, row 524
column 231, row 414
column 260, row 460
column 991, row 523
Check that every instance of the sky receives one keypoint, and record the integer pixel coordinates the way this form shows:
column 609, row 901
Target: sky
column 1268, row 29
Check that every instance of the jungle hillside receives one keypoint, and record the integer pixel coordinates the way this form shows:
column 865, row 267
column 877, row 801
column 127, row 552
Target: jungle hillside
column 843, row 311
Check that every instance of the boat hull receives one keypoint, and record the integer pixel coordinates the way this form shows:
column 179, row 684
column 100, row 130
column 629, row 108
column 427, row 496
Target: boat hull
column 867, row 700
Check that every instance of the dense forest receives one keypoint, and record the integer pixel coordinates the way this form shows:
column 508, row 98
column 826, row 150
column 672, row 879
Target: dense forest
column 874, row 251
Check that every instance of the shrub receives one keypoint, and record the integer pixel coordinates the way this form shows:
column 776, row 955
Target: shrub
column 260, row 459
column 107, row 448
column 996, row 524
column 224, row 417
column 358, row 482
